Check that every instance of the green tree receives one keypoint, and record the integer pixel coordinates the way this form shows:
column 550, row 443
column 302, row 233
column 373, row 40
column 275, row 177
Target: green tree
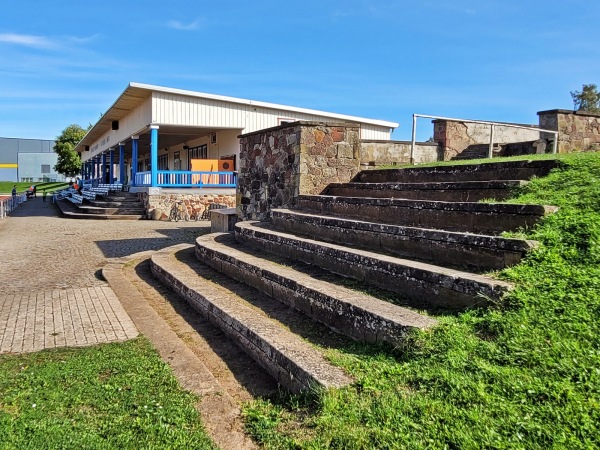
column 69, row 161
column 588, row 99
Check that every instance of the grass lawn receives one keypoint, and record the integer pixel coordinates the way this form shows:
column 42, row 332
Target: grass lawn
column 6, row 186
column 524, row 374
column 111, row 396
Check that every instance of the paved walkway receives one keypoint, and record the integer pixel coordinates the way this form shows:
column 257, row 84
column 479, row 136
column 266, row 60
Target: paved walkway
column 51, row 293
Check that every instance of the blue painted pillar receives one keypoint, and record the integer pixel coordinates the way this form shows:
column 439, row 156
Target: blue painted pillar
column 103, row 168
column 134, row 158
column 154, row 155
column 111, row 171
column 121, row 163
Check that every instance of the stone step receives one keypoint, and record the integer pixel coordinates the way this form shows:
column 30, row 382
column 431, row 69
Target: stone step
column 422, row 283
column 472, row 251
column 510, row 170
column 294, row 363
column 481, row 218
column 465, row 191
column 357, row 315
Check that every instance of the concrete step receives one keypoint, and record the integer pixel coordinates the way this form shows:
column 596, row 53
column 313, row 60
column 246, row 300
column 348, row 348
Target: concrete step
column 481, row 218
column 112, row 211
column 472, row 251
column 115, row 203
column 465, row 191
column 72, row 211
column 295, row 364
column 510, row 170
column 420, row 282
column 357, row 315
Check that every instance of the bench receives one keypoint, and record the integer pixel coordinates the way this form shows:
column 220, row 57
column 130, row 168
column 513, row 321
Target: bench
column 88, row 195
column 111, row 187
column 75, row 198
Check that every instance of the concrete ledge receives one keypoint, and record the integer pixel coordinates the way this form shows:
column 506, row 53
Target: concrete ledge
column 296, row 365
column 356, row 315
column 483, row 218
column 466, row 191
column 474, row 251
column 420, row 282
column 508, row 170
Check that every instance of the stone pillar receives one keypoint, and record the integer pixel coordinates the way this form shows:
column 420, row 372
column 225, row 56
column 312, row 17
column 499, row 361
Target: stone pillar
column 280, row 163
column 577, row 130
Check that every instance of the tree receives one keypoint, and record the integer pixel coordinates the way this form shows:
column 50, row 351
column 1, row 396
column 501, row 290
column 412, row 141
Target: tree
column 69, row 161
column 588, row 99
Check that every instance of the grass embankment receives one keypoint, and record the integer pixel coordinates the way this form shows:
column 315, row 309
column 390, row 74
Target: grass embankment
column 112, row 396
column 6, row 186
column 524, row 374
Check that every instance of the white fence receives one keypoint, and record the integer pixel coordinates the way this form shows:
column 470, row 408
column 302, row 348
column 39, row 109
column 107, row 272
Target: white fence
column 9, row 203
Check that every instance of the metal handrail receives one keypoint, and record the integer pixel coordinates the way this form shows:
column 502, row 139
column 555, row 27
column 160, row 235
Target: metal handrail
column 484, row 122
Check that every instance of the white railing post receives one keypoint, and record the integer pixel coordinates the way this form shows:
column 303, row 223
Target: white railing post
column 555, row 144
column 491, row 149
column 414, row 138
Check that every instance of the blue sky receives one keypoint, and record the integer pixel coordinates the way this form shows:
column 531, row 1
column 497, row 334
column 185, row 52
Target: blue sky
column 64, row 62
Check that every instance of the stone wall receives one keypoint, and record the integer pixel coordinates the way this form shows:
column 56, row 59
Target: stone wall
column 278, row 164
column 379, row 153
column 454, row 136
column 159, row 205
column 578, row 130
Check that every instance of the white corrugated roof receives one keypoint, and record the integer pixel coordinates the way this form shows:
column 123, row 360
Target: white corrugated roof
column 135, row 93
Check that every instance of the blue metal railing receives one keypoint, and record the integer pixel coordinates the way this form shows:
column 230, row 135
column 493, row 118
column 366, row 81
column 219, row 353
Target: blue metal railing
column 188, row 178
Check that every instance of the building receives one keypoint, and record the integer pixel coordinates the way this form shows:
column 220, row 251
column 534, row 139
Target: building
column 28, row 160
column 155, row 138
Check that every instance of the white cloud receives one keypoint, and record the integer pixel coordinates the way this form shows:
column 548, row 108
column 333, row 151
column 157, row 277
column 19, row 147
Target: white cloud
column 177, row 25
column 27, row 40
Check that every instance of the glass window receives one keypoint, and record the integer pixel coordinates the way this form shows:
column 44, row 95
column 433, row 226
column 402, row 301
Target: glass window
column 200, row 152
column 163, row 162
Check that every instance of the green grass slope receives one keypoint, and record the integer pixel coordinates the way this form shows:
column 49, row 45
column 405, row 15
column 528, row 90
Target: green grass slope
column 524, row 374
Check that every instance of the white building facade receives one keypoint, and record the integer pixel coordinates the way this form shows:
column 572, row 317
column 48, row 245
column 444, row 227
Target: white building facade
column 151, row 135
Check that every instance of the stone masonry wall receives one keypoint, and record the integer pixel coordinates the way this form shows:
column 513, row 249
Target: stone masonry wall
column 454, row 137
column 379, row 153
column 278, row 164
column 158, row 206
column 578, row 130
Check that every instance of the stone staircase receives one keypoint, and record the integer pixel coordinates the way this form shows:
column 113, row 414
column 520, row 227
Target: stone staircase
column 114, row 206
column 416, row 233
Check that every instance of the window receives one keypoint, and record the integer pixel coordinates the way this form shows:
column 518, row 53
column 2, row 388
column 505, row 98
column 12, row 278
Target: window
column 200, row 152
column 176, row 161
column 45, row 168
column 163, row 162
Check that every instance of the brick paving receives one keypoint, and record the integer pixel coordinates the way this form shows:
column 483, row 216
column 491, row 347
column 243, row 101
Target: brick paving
column 51, row 293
